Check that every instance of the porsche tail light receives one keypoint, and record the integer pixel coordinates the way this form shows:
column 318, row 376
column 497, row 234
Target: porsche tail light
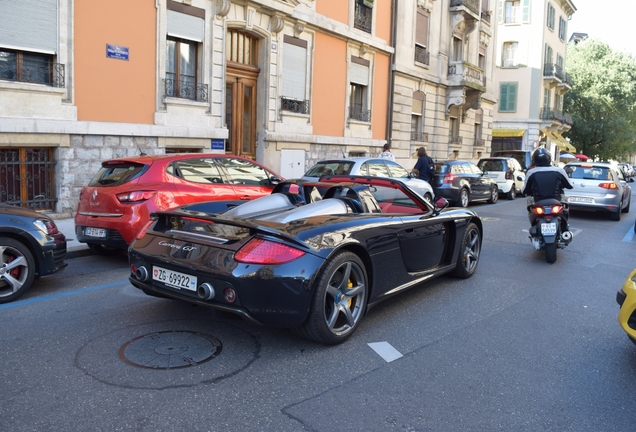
column 142, row 232
column 135, row 196
column 260, row 251
column 449, row 178
column 51, row 228
column 608, row 185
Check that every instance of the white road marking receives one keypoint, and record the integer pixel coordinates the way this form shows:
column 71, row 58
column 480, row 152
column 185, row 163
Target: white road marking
column 385, row 350
column 629, row 236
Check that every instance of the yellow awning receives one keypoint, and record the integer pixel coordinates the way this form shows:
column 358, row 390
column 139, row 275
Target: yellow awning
column 508, row 132
column 564, row 144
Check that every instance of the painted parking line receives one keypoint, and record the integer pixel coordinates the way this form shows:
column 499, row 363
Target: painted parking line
column 64, row 294
column 629, row 236
column 385, row 350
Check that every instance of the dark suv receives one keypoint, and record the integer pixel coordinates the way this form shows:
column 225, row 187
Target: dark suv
column 524, row 157
column 461, row 182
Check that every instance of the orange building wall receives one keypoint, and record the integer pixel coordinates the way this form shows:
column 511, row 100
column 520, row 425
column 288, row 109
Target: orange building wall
column 334, row 9
column 108, row 89
column 329, row 86
column 380, row 96
column 383, row 20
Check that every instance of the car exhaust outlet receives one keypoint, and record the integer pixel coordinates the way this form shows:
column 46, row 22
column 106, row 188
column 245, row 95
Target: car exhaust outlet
column 142, row 274
column 205, row 291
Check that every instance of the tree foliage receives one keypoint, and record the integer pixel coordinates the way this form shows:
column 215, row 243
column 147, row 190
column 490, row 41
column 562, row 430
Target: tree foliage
column 602, row 101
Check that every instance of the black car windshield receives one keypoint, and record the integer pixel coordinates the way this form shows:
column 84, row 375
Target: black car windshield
column 117, row 174
column 330, row 168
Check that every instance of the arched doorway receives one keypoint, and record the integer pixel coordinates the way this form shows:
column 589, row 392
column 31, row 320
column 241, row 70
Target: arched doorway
column 240, row 93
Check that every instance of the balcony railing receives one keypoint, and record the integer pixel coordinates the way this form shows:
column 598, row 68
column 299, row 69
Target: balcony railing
column 567, row 119
column 551, row 69
column 359, row 114
column 186, row 90
column 471, row 5
column 34, row 71
column 363, row 17
column 568, row 80
column 480, row 142
column 422, row 55
column 419, row 136
column 485, row 16
column 294, row 105
column 465, row 74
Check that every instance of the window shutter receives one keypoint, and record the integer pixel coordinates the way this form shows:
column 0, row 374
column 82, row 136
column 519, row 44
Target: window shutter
column 359, row 74
column 503, row 97
column 512, row 97
column 421, row 32
column 500, row 13
column 526, row 11
column 294, row 71
column 185, row 26
column 29, row 25
column 418, row 103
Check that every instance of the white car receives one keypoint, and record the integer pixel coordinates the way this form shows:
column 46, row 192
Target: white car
column 506, row 171
column 368, row 166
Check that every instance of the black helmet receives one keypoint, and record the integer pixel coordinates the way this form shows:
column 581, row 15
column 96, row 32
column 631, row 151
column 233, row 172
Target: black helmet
column 541, row 157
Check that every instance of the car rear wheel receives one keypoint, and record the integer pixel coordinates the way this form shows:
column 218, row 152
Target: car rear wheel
column 17, row 269
column 103, row 250
column 616, row 216
column 494, row 195
column 512, row 194
column 464, row 198
column 339, row 302
column 626, row 208
column 468, row 257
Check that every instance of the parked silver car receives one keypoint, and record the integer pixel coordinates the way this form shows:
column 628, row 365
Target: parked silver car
column 598, row 186
column 369, row 166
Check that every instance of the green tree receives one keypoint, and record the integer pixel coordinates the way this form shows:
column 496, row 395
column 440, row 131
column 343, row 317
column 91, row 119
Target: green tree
column 602, row 101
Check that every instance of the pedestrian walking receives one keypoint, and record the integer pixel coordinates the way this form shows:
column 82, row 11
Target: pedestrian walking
column 424, row 167
column 386, row 153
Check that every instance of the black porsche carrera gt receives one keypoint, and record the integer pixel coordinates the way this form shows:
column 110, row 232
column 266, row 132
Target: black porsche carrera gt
column 312, row 256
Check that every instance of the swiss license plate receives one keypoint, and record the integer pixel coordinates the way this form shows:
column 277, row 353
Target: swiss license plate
column 581, row 200
column 548, row 228
column 174, row 279
column 95, row 232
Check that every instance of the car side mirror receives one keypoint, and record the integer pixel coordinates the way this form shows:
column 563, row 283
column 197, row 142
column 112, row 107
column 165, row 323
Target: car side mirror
column 275, row 180
column 412, row 175
column 520, row 178
column 441, row 203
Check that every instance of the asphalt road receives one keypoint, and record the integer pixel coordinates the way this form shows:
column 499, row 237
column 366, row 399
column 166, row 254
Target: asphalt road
column 521, row 346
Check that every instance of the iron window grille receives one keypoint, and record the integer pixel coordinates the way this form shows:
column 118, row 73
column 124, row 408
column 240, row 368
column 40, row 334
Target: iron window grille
column 294, row 105
column 31, row 67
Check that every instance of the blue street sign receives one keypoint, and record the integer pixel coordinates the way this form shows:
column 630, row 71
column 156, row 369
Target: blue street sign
column 217, row 144
column 116, row 52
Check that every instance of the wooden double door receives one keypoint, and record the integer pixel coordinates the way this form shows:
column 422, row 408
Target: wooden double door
column 240, row 109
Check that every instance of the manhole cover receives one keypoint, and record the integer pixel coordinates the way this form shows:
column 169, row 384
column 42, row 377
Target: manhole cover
column 170, row 349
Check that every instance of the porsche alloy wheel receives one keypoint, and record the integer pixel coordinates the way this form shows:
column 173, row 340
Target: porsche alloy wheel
column 339, row 300
column 17, row 269
column 469, row 254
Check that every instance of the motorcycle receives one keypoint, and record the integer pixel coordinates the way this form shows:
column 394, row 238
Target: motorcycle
column 547, row 217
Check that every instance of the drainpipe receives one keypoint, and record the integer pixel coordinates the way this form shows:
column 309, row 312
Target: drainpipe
column 389, row 128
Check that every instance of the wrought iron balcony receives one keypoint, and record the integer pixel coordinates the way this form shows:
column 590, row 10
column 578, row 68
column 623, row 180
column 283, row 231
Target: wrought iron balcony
column 363, row 17
column 359, row 114
column 34, row 71
column 568, row 80
column 422, row 55
column 567, row 119
column 471, row 5
column 294, row 105
column 186, row 90
column 419, row 136
column 553, row 70
column 485, row 16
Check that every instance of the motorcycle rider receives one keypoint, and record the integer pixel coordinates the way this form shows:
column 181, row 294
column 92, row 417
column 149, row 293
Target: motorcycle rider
column 545, row 181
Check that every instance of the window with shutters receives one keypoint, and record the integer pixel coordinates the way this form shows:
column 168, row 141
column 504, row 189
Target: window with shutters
column 29, row 42
column 422, row 54
column 551, row 17
column 417, row 117
column 294, row 86
column 508, row 97
column 358, row 90
column 183, row 47
column 509, row 51
column 563, row 29
column 514, row 11
column 547, row 95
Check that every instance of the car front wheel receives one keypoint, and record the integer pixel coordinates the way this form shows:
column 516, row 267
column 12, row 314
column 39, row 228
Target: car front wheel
column 468, row 257
column 339, row 301
column 17, row 269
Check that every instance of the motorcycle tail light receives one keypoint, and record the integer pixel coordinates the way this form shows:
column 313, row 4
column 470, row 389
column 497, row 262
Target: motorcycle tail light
column 260, row 251
column 448, row 178
column 557, row 209
column 608, row 185
column 135, row 196
column 538, row 210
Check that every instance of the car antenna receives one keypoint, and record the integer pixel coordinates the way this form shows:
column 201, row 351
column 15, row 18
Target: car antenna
column 141, row 152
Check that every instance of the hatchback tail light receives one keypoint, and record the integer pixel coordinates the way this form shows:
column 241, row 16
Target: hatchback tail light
column 260, row 251
column 135, row 196
column 608, row 185
column 508, row 175
column 449, row 178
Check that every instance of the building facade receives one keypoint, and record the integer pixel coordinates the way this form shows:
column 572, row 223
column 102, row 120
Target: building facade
column 531, row 77
column 443, row 96
column 285, row 82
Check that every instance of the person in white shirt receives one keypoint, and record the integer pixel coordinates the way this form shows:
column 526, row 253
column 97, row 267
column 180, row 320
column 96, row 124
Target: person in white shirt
column 387, row 153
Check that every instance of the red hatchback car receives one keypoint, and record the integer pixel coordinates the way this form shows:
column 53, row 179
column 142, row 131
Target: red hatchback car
column 118, row 201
